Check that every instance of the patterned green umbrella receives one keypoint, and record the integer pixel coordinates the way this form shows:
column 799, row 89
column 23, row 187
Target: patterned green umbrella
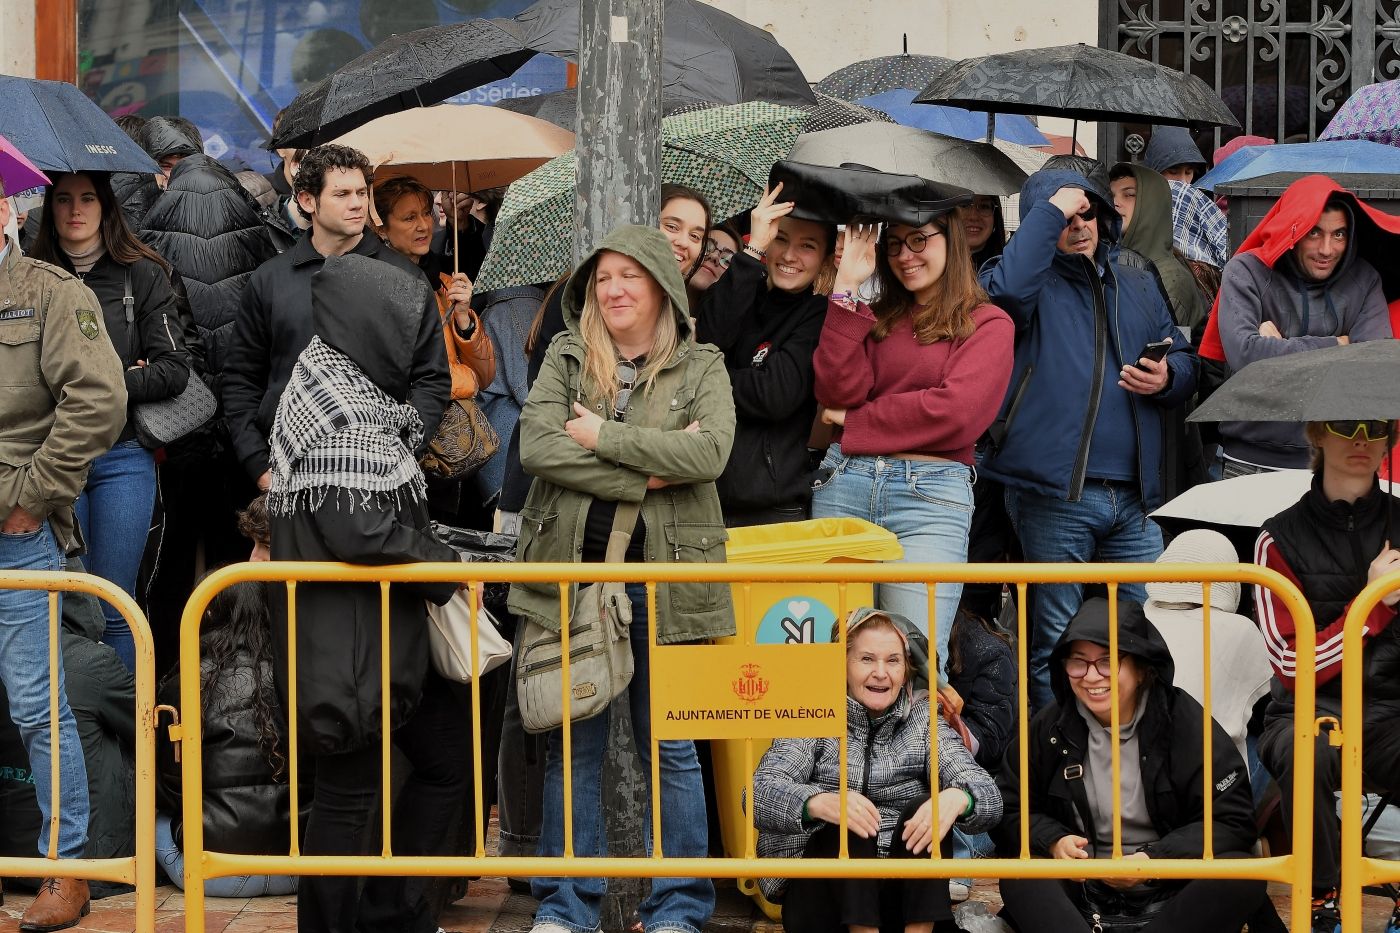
column 723, row 152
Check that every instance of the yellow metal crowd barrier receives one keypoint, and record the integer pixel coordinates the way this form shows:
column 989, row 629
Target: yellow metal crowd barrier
column 700, row 674
column 140, row 869
column 1358, row 870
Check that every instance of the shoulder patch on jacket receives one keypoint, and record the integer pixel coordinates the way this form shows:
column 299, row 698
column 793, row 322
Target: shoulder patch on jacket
column 1227, row 781
column 87, row 323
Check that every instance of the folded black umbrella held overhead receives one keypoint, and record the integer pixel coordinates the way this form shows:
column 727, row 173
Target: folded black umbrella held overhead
column 1357, row 381
column 835, row 194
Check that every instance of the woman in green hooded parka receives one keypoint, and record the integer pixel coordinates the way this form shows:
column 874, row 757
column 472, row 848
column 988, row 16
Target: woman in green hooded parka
column 627, row 409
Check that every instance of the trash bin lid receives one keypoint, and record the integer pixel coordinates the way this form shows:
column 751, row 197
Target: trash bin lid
column 818, row 540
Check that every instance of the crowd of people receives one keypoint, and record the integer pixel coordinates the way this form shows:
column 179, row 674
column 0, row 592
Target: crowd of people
column 980, row 397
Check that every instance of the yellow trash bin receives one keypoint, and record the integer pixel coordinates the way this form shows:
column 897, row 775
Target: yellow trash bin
column 787, row 613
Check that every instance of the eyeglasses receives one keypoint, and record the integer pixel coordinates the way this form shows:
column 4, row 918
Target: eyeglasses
column 1079, row 667
column 722, row 256
column 914, row 242
column 627, row 376
column 1373, row 429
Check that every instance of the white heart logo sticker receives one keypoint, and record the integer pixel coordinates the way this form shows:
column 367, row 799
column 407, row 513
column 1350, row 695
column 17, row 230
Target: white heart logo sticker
column 799, row 608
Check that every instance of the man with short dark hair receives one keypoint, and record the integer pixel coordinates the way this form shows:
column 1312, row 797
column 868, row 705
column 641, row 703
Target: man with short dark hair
column 274, row 322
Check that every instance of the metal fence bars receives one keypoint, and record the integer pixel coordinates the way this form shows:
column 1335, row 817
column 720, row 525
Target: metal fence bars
column 139, row 869
column 709, row 677
column 1358, row 870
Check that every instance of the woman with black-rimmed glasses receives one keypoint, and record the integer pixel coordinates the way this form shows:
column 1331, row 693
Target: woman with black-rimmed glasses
column 629, row 415
column 722, row 244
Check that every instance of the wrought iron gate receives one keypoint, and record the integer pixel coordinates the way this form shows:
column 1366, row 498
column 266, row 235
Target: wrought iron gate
column 1282, row 66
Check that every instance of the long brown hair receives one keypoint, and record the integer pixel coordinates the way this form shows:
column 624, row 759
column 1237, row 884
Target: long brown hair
column 949, row 315
column 117, row 239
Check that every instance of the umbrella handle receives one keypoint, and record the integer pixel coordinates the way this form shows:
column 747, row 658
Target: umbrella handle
column 456, row 221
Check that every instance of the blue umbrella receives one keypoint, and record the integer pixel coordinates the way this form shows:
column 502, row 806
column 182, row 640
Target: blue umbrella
column 952, row 121
column 61, row 130
column 1331, row 157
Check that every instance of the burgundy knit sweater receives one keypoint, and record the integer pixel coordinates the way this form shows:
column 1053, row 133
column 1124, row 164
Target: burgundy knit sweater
column 905, row 397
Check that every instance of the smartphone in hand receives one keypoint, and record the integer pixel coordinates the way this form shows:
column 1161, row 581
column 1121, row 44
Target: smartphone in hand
column 1155, row 351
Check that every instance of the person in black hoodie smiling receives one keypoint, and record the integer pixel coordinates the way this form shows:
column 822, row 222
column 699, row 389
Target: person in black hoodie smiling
column 766, row 318
column 1163, row 806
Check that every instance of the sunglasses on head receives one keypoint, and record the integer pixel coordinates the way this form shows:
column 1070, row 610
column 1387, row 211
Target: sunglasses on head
column 627, row 378
column 1373, row 429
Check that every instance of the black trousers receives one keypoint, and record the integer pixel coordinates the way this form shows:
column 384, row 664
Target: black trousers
column 990, row 540
column 829, row 905
column 1380, row 748
column 428, row 818
column 1202, row 906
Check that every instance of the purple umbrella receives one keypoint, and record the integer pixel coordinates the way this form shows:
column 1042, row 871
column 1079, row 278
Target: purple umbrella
column 1372, row 113
column 17, row 172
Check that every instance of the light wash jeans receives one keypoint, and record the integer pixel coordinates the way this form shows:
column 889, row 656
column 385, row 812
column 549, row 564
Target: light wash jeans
column 926, row 504
column 114, row 511
column 1108, row 523
column 24, row 669
column 680, row 904
column 172, row 862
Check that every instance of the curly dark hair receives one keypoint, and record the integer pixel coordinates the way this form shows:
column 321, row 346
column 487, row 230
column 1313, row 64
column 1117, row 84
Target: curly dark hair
column 238, row 619
column 253, row 522
column 311, row 172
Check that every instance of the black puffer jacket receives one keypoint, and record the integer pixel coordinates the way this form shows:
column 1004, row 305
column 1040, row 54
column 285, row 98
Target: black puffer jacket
column 206, row 226
column 135, row 192
column 985, row 677
column 1169, row 741
column 768, row 338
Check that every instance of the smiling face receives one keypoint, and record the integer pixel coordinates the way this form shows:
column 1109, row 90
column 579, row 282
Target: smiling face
column 876, row 667
column 1092, row 689
column 979, row 219
column 628, row 297
column 796, row 254
column 77, row 213
column 409, row 226
column 919, row 271
column 1322, row 249
column 715, row 262
column 1124, row 197
column 1081, row 235
column 683, row 222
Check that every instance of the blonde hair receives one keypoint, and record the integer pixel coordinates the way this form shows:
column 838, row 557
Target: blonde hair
column 600, row 354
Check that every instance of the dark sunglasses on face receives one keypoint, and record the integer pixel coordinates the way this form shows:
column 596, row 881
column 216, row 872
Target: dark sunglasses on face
column 1079, row 667
column 720, row 255
column 1372, row 429
column 627, row 377
column 915, row 242
column 1088, row 214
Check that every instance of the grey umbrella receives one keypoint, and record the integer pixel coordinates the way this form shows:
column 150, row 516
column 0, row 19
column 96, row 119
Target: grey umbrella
column 904, row 150
column 1355, row 381
column 60, row 129
column 1080, row 82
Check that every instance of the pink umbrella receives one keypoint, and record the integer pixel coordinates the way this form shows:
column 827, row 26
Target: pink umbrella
column 17, row 172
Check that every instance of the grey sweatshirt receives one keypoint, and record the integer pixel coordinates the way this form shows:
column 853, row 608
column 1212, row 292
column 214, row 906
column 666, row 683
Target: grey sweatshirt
column 1098, row 783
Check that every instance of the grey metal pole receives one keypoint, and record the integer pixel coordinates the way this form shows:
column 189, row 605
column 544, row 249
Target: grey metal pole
column 619, row 182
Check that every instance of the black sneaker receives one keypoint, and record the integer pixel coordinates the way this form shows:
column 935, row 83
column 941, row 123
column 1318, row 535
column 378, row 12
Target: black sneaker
column 1326, row 918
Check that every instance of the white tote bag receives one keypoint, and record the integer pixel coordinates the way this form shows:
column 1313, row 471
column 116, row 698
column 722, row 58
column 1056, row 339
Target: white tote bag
column 450, row 637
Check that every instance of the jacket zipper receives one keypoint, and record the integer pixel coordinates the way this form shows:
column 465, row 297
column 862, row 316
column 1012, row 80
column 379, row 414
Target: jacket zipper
column 576, row 654
column 1091, row 413
column 165, row 322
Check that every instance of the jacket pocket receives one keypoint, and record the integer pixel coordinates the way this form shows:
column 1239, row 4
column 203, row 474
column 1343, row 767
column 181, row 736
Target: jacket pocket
column 696, row 543
column 19, row 354
column 538, row 528
column 678, row 408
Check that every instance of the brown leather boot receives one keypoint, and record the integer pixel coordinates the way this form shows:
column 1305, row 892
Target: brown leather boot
column 61, row 903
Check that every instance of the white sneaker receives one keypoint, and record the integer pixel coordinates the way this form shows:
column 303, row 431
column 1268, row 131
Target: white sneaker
column 958, row 891
column 544, row 926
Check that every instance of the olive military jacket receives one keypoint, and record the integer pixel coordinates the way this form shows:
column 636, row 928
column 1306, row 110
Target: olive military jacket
column 62, row 392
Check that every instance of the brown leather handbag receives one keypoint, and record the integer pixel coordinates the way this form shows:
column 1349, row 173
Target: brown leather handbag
column 464, row 441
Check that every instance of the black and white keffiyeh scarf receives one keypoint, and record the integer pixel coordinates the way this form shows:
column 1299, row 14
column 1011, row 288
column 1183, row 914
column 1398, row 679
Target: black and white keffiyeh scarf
column 336, row 431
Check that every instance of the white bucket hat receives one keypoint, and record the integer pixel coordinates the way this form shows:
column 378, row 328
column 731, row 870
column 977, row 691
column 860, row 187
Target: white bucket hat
column 1198, row 546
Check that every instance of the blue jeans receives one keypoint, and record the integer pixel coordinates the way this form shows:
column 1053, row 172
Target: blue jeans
column 1108, row 523
column 682, row 904
column 24, row 669
column 114, row 511
column 172, row 862
column 926, row 504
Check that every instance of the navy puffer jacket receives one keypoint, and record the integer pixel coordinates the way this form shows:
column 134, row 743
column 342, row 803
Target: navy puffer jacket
column 209, row 229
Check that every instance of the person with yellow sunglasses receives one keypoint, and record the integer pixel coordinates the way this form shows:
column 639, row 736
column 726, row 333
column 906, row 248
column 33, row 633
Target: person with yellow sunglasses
column 1332, row 543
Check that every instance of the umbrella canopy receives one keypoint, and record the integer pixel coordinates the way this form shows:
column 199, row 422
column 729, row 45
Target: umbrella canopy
column 1335, row 383
column 725, row 153
column 1339, row 156
column 561, row 107
column 1241, row 502
column 903, row 150
column 1081, row 82
column 62, row 130
column 706, row 53
column 877, row 75
column 952, row 121
column 837, row 194
column 459, row 147
column 828, row 113
column 413, row 69
column 1371, row 113
column 17, row 172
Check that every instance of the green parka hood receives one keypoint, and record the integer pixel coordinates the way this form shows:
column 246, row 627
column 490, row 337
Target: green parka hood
column 648, row 246
column 1150, row 234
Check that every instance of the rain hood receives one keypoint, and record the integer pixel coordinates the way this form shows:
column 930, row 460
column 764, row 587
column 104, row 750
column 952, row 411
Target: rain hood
column 1136, row 636
column 372, row 312
column 649, row 247
column 1151, row 234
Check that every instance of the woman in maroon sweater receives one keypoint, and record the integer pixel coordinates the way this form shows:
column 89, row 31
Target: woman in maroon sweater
column 911, row 381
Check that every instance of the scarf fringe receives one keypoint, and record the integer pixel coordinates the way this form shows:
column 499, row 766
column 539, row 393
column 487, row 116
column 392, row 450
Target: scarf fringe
column 285, row 503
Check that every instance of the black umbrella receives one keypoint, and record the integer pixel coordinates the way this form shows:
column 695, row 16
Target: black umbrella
column 60, row 129
column 836, row 194
column 878, row 75
column 561, row 107
column 1080, row 82
column 706, row 53
column 414, row 69
column 1359, row 380
column 889, row 147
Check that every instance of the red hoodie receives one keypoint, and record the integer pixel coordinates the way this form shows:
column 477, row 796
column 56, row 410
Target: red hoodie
column 1288, row 221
